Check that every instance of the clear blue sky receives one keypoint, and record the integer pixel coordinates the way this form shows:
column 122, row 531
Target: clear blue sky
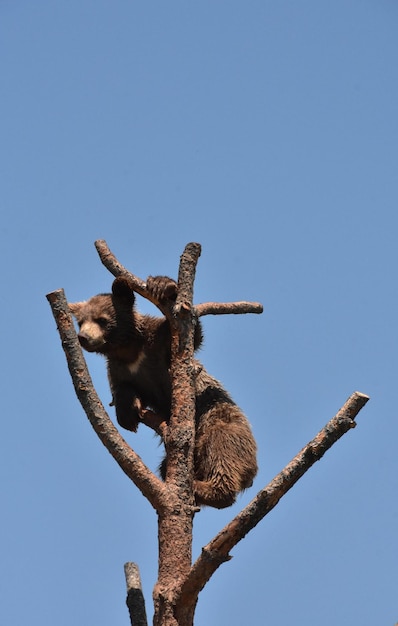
column 268, row 132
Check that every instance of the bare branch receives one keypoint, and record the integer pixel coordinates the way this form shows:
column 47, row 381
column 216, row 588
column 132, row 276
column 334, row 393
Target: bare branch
column 135, row 599
column 192, row 250
column 223, row 308
column 111, row 263
column 132, row 465
column 186, row 276
column 217, row 551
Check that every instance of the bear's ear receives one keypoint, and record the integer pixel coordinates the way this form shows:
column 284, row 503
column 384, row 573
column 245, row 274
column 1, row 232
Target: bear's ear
column 76, row 307
column 122, row 288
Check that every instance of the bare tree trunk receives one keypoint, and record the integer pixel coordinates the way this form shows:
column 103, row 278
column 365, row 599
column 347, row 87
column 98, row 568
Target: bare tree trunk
column 179, row 582
column 175, row 522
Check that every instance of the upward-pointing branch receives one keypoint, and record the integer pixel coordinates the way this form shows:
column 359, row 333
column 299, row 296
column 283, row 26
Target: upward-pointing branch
column 132, row 465
column 217, row 551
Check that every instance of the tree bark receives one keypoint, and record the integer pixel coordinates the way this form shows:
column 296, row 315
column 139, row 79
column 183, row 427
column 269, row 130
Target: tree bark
column 175, row 521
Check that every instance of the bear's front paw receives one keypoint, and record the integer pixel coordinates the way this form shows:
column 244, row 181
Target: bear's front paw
column 162, row 287
column 122, row 287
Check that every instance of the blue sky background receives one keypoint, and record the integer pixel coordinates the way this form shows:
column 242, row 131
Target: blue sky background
column 268, row 132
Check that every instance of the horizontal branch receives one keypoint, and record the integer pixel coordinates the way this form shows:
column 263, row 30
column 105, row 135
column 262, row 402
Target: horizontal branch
column 223, row 308
column 217, row 551
column 129, row 461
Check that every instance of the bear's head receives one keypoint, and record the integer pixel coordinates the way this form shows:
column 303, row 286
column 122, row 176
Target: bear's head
column 107, row 321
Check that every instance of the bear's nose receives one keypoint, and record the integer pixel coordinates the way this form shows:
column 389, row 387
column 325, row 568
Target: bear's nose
column 83, row 340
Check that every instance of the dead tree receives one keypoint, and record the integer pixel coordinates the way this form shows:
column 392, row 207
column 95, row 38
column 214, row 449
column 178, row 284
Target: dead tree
column 179, row 580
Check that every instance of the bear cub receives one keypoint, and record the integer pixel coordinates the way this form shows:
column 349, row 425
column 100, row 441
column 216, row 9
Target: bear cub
column 137, row 348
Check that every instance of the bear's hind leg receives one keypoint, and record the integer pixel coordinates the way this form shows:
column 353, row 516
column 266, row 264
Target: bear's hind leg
column 225, row 456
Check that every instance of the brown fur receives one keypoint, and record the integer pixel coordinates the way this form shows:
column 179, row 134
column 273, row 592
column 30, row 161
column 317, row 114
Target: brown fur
column 137, row 348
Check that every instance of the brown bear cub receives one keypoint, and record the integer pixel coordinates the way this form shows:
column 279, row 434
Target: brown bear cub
column 138, row 352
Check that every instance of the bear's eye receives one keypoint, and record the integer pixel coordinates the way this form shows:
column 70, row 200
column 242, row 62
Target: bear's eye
column 101, row 321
